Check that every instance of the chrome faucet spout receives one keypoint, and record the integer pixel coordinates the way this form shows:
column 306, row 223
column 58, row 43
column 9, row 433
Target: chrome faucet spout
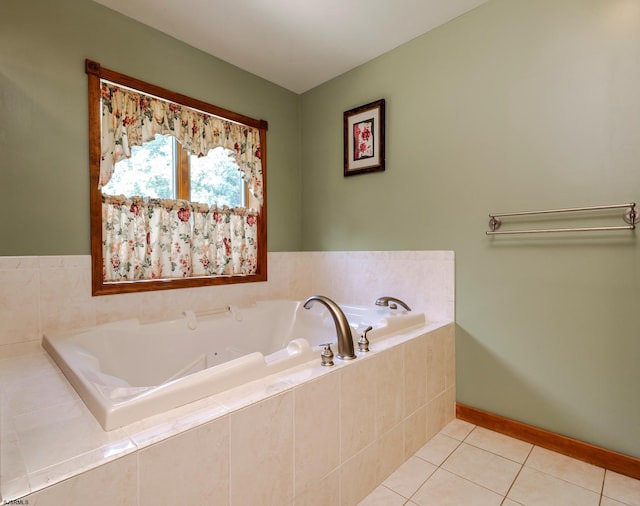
column 391, row 302
column 345, row 339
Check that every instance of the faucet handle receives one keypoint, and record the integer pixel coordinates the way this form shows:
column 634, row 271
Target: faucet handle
column 363, row 342
column 327, row 355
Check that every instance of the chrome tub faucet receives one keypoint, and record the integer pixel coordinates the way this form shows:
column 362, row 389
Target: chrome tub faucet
column 345, row 339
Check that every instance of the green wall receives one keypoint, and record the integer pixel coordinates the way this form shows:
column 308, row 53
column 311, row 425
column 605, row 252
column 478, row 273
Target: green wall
column 517, row 105
column 44, row 173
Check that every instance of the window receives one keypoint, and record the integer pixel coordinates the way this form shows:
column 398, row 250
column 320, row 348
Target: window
column 150, row 172
column 177, row 189
column 162, row 168
column 215, row 179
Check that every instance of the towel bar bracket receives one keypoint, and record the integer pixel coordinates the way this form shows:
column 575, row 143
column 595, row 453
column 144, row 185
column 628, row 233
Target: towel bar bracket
column 631, row 216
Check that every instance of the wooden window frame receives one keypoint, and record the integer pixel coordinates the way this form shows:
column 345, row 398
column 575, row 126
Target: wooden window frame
column 182, row 174
column 95, row 73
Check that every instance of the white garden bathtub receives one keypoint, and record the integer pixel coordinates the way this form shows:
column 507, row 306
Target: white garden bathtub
column 127, row 371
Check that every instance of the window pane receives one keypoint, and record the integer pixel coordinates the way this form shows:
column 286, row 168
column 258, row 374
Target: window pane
column 148, row 173
column 215, row 179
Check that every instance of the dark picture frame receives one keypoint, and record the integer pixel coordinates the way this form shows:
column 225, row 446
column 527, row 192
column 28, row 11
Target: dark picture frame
column 364, row 139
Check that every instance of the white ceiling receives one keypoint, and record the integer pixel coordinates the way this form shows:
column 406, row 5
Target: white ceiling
column 297, row 44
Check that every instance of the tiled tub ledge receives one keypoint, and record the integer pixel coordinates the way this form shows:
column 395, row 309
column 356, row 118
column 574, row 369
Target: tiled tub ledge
column 309, row 435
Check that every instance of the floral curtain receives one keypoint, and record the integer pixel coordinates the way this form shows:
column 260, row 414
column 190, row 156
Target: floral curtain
column 130, row 118
column 146, row 238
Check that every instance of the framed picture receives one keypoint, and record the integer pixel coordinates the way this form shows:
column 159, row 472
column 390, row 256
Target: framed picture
column 364, row 139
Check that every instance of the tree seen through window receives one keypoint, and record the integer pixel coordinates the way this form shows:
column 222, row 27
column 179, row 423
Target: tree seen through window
column 153, row 171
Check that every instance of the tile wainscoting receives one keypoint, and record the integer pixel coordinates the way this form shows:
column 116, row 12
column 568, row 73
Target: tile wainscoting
column 53, row 293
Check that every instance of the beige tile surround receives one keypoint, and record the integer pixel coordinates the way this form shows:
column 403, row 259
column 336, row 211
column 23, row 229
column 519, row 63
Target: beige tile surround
column 328, row 440
column 53, row 293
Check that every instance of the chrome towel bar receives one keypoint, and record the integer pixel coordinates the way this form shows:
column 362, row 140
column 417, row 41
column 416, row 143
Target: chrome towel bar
column 630, row 216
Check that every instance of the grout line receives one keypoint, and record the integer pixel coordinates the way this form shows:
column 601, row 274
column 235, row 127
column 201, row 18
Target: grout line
column 509, row 499
column 469, row 433
column 518, row 474
column 472, row 482
column 496, row 454
column 604, row 478
column 416, row 490
column 560, row 478
column 420, row 486
column 451, row 454
column 138, row 487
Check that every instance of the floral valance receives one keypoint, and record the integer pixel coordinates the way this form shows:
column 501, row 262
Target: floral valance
column 130, row 118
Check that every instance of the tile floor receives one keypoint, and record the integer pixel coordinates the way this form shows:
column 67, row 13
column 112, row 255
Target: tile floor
column 469, row 465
